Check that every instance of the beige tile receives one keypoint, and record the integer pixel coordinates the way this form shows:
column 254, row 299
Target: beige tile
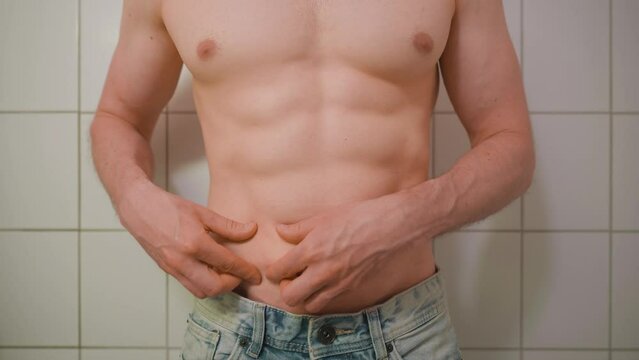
column 182, row 99
column 625, row 290
column 39, row 354
column 625, row 172
column 122, row 288
column 99, row 36
column 39, row 176
column 123, row 354
column 490, row 354
column 565, row 290
column 450, row 143
column 181, row 302
column 39, row 296
column 565, row 355
column 566, row 58
column 570, row 187
column 188, row 167
column 481, row 277
column 97, row 210
column 625, row 52
column 625, row 355
column 39, row 47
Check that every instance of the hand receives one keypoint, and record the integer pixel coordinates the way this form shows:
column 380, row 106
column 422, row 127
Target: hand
column 337, row 251
column 180, row 236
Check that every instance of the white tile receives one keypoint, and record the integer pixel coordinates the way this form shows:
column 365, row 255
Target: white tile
column 188, row 167
column 450, row 143
column 565, row 355
column 512, row 11
column 122, row 354
column 625, row 290
column 181, row 302
column 99, row 36
column 625, row 52
column 122, row 288
column 481, row 276
column 565, row 290
column 566, row 55
column 625, row 172
column 39, row 47
column 182, row 99
column 174, row 354
column 625, row 355
column 39, row 176
column 570, row 187
column 443, row 103
column 490, row 354
column 39, row 354
column 97, row 210
column 39, row 296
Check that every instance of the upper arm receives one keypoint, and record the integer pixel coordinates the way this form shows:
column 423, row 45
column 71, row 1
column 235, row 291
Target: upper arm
column 144, row 69
column 481, row 72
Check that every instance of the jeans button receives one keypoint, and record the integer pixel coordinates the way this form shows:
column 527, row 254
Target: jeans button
column 326, row 334
column 389, row 347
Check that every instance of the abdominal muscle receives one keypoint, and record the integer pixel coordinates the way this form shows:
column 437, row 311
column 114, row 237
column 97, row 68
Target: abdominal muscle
column 277, row 154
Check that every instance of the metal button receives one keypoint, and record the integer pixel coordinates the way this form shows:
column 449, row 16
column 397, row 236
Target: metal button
column 243, row 342
column 389, row 347
column 326, row 334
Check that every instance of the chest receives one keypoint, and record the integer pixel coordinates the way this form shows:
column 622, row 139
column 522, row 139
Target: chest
column 217, row 38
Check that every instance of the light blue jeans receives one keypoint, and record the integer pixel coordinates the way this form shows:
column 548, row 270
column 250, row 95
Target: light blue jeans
column 412, row 325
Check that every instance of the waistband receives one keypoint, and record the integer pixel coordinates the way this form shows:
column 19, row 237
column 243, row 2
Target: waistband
column 327, row 334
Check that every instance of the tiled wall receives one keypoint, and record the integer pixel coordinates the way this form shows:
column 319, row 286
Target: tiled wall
column 552, row 276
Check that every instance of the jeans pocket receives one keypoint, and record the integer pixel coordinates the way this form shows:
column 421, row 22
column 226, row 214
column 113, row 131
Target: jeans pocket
column 200, row 342
column 435, row 339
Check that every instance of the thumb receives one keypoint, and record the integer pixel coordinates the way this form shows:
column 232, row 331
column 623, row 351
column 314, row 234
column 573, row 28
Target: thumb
column 227, row 228
column 294, row 233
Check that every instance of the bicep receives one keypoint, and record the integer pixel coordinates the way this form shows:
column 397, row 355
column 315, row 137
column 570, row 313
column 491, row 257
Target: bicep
column 144, row 69
column 481, row 72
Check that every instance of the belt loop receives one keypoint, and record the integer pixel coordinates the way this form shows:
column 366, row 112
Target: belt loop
column 377, row 336
column 257, row 338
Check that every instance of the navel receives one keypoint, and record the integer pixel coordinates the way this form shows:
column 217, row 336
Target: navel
column 206, row 49
column 423, row 42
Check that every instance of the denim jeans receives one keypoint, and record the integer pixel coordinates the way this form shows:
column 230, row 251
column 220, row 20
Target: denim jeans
column 412, row 325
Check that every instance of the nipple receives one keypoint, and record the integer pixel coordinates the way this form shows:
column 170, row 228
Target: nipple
column 206, row 49
column 423, row 42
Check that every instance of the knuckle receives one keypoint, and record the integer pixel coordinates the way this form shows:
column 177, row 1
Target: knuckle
column 227, row 266
column 191, row 246
column 171, row 259
column 211, row 290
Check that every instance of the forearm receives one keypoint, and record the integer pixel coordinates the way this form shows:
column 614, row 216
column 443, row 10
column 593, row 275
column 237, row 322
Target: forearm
column 484, row 180
column 121, row 155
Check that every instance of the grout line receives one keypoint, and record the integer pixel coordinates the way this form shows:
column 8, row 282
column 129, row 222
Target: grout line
column 610, row 169
column 521, row 209
column 79, row 234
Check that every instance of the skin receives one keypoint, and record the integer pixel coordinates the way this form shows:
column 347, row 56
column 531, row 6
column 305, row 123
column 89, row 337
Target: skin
column 316, row 131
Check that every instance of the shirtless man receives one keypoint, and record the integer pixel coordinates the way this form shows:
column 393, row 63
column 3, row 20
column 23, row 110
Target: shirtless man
column 317, row 236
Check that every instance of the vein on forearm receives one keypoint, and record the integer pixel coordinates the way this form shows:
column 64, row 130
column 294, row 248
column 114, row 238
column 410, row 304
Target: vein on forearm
column 485, row 179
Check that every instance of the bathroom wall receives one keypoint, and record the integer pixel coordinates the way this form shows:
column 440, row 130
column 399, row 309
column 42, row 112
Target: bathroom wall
column 552, row 276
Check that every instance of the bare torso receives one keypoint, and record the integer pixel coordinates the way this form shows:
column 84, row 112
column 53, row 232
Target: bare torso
column 304, row 105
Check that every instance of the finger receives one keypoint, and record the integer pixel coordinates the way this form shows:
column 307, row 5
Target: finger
column 189, row 285
column 319, row 299
column 300, row 288
column 226, row 261
column 296, row 232
column 208, row 280
column 289, row 265
column 227, row 228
